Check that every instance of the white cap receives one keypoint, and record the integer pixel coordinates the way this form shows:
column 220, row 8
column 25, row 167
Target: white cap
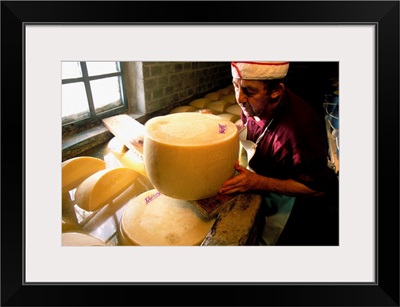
column 259, row 70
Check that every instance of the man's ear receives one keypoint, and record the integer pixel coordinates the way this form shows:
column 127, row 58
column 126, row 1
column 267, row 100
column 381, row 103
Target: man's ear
column 278, row 91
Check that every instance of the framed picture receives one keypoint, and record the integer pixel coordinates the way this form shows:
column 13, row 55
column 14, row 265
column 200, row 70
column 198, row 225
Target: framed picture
column 363, row 36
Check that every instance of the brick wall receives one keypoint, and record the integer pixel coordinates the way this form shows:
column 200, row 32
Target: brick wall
column 170, row 84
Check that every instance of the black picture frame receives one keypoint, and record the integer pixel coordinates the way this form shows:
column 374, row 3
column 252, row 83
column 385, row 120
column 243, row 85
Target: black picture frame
column 384, row 14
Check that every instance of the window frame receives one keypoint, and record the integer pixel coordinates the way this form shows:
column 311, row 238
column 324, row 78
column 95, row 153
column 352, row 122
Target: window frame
column 96, row 117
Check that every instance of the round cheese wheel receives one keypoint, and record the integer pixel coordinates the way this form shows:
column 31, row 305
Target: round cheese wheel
column 183, row 109
column 189, row 155
column 154, row 219
column 200, row 103
column 214, row 96
column 234, row 109
column 102, row 187
column 229, row 98
column 224, row 90
column 76, row 170
column 132, row 159
column 80, row 239
column 219, row 106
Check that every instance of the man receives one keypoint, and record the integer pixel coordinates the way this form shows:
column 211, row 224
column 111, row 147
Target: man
column 287, row 158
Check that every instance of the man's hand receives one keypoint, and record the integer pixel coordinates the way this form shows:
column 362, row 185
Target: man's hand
column 243, row 182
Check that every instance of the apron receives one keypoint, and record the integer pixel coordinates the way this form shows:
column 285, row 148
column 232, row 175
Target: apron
column 280, row 205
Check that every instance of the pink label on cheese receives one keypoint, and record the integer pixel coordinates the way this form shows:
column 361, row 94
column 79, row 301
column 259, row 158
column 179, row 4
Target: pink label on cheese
column 150, row 198
column 222, row 128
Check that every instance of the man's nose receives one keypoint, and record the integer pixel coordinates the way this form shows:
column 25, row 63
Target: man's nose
column 241, row 98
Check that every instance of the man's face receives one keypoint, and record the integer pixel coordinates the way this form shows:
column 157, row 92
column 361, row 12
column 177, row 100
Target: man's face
column 252, row 97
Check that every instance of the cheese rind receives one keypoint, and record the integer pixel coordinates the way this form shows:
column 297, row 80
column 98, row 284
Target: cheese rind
column 189, row 155
column 102, row 187
column 154, row 219
column 76, row 170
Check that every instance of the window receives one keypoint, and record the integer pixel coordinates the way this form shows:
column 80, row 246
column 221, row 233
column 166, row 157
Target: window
column 91, row 91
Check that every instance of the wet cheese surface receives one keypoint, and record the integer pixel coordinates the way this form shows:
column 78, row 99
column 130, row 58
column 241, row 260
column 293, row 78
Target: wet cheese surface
column 189, row 155
column 154, row 219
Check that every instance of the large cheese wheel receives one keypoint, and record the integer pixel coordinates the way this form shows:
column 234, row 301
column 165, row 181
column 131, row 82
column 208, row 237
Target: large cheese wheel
column 183, row 109
column 154, row 219
column 76, row 170
column 200, row 103
column 80, row 239
column 189, row 155
column 102, row 187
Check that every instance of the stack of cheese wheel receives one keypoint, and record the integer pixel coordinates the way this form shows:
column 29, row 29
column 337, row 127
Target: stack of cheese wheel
column 76, row 170
column 189, row 155
column 219, row 105
column 214, row 96
column 154, row 219
column 200, row 103
column 229, row 98
column 224, row 90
